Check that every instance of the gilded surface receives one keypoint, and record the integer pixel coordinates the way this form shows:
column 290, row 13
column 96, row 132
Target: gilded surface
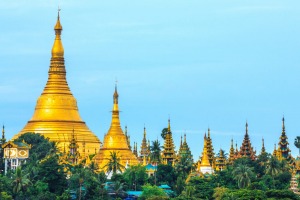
column 56, row 113
column 115, row 140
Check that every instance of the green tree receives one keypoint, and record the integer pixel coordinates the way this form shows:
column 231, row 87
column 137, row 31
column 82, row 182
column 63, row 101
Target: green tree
column 136, row 177
column 244, row 194
column 5, row 196
column 243, row 174
column 164, row 133
column 114, row 163
column 52, row 173
column 155, row 152
column 273, row 167
column 219, row 192
column 151, row 192
column 166, row 175
column 184, row 166
column 297, row 143
column 20, row 181
column 204, row 187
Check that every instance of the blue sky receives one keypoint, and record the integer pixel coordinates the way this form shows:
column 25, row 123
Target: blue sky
column 205, row 63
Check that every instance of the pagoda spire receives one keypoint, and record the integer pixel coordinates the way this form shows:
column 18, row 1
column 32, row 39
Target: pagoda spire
column 169, row 154
column 283, row 145
column 116, row 140
column 56, row 112
column 210, row 149
column 144, row 152
column 204, row 165
column 246, row 149
column 231, row 153
column 3, row 139
column 263, row 149
column 220, row 161
column 127, row 137
column 185, row 151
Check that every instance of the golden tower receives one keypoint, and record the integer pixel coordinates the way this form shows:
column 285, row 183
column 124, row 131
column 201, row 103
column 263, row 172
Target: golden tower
column 115, row 140
column 144, row 152
column 204, row 165
column 168, row 154
column 231, row 153
column 220, row 161
column 56, row 113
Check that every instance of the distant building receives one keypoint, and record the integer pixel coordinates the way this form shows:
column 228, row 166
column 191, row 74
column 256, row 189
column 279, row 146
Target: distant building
column 15, row 153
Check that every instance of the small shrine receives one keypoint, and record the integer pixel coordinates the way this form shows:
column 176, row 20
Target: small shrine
column 15, row 153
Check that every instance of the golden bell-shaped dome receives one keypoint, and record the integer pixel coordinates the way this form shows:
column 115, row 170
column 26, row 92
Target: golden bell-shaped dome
column 115, row 140
column 56, row 114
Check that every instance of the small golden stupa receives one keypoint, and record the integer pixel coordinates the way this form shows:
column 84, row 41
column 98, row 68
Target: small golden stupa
column 56, row 114
column 115, row 141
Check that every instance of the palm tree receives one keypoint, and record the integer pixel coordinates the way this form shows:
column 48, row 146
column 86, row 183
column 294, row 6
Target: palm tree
column 20, row 181
column 243, row 173
column 155, row 152
column 273, row 167
column 185, row 165
column 114, row 163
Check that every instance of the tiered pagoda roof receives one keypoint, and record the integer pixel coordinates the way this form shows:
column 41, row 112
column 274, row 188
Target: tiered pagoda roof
column 169, row 154
column 184, row 150
column 231, row 153
column 246, row 149
column 144, row 152
column 220, row 161
column 263, row 149
column 283, row 145
column 210, row 149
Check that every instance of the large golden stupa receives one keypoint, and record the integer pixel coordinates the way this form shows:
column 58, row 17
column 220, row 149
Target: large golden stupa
column 115, row 141
column 56, row 114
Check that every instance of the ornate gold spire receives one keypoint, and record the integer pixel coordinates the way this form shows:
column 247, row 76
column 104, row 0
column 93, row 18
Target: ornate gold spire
column 115, row 140
column 220, row 161
column 204, row 165
column 56, row 111
column 283, row 145
column 169, row 154
column 246, row 148
column 205, row 159
column 231, row 153
column 3, row 139
column 144, row 152
column 263, row 149
column 210, row 149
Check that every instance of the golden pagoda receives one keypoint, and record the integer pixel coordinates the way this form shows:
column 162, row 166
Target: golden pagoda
column 204, row 165
column 169, row 154
column 56, row 113
column 144, row 152
column 263, row 149
column 115, row 141
column 283, row 145
column 246, row 149
column 220, row 161
column 210, row 149
column 231, row 153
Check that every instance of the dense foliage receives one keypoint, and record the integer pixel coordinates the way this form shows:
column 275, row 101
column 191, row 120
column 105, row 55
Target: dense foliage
column 43, row 176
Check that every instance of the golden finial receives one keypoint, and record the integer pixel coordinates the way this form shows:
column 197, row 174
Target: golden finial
column 169, row 125
column 283, row 126
column 144, row 131
column 57, row 49
column 208, row 132
column 246, row 127
column 116, row 95
column 184, row 137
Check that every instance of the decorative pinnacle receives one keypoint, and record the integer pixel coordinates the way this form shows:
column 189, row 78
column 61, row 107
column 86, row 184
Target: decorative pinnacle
column 246, row 127
column 283, row 126
column 144, row 131
column 184, row 137
column 169, row 125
